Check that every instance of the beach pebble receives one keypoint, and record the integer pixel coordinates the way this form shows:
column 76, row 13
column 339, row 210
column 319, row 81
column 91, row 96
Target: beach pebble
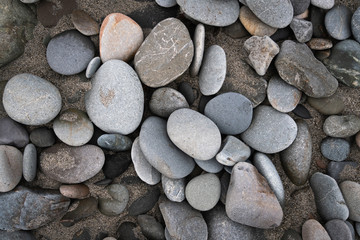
column 312, row 230
column 78, row 191
column 320, row 44
column 125, row 231
column 253, row 24
column 302, row 29
column 213, row 70
column 338, row 22
column 31, row 100
column 233, row 150
column 317, row 16
column 210, row 166
column 11, row 167
column 351, row 193
column 151, row 228
column 300, row 6
column 117, row 203
column 116, row 164
column 341, row 126
column 49, row 13
column 114, row 142
column 324, row 4
column 199, row 47
column 236, row 30
column 29, row 162
column 84, row 23
column 224, row 181
column 193, row 133
column 92, row 67
column 338, row 229
column 352, row 230
column 302, row 111
column 166, row 3
column 328, row 106
column 144, row 203
column 340, row 170
column 115, row 102
column 12, row 133
column 42, row 137
column 188, row 92
column 174, row 189
column 355, row 24
column 335, row 149
column 152, row 59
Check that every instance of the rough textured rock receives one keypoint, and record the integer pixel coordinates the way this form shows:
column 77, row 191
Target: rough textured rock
column 233, row 150
column 341, row 126
column 302, row 29
column 84, row 23
column 253, row 24
column 17, row 235
column 12, row 133
column 92, row 67
column 11, row 165
column 312, row 229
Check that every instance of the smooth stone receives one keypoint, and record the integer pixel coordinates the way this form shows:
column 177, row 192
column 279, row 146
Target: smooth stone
column 291, row 234
column 115, row 102
column 29, row 162
column 31, row 100
column 188, row 92
column 313, row 230
column 143, row 168
column 203, row 101
column 320, row 44
column 11, row 167
column 211, row 12
column 193, row 133
column 343, row 62
column 165, row 101
column 213, row 70
column 151, row 228
column 269, row 125
column 116, row 164
column 210, row 166
column 42, row 137
column 160, row 152
column 253, row 24
column 341, row 126
column 49, row 13
column 174, row 189
column 282, row 96
column 167, row 234
column 342, row 171
column 335, row 149
column 302, row 111
column 261, row 51
column 296, row 159
column 297, row 65
column 71, row 165
column 109, row 238
column 125, row 231
column 199, row 47
column 144, row 203
column 182, row 221
column 317, row 16
column 338, row 22
column 27, row 209
column 328, row 106
column 338, row 229
column 236, row 30
column 324, row 4
column 17, row 235
column 303, row 15
column 225, row 181
column 322, row 55
column 12, row 133
column 352, row 230
column 351, row 193
column 357, row 139
column 73, row 127
column 166, row 3
column 231, row 112
column 117, row 203
column 78, row 191
column 92, row 67
column 114, row 142
column 267, row 169
column 233, row 150
column 355, row 25
column 277, row 14
column 82, row 234
column 69, row 52
column 120, row 37
column 84, row 23
column 329, row 201
column 250, row 200
column 29, row 1
column 152, row 59
column 300, row 6
column 302, row 29
column 281, row 34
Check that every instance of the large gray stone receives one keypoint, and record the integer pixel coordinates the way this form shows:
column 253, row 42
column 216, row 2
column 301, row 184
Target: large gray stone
column 351, row 193
column 11, row 164
column 338, row 22
column 324, row 4
column 341, row 126
column 12, row 133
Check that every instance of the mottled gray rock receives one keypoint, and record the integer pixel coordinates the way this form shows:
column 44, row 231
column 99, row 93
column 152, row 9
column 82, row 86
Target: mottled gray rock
column 11, row 166
column 250, row 200
column 166, row 3
column 324, row 4
column 351, row 193
column 302, row 29
column 160, row 152
column 92, row 67
column 115, row 102
column 174, row 189
column 300, row 6
column 340, row 170
column 291, row 234
column 151, row 228
column 253, row 24
column 297, row 65
column 338, row 229
column 117, row 203
column 270, row 130
column 329, row 201
column 29, row 162
column 335, row 149
column 341, row 126
column 194, row 134
column 31, row 100
column 42, row 137
column 338, row 22
column 213, row 70
column 210, row 166
column 85, row 208
column 17, row 235
column 199, row 45
column 152, row 59
column 355, row 25
column 233, row 150
column 114, row 142
column 312, row 229
column 12, row 133
column 328, row 106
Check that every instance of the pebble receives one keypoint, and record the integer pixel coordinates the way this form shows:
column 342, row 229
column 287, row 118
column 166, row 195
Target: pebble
column 261, row 51
column 174, row 189
column 42, row 137
column 282, row 96
column 225, row 181
column 210, row 166
column 317, row 16
column 167, row 235
column 84, row 23
column 17, row 212
column 281, row 34
column 313, row 230
column 296, row 159
column 152, row 59
column 72, row 165
column 182, row 221
column 193, row 133
column 237, row 109
column 300, row 6
column 267, row 169
column 291, row 234
column 340, row 171
column 144, row 203
column 338, row 22
column 166, row 3
column 341, row 126
column 233, row 150
column 211, row 12
column 143, row 169
column 352, row 230
column 115, row 102
column 29, row 162
column 31, row 100
column 114, row 142
column 116, row 164
column 160, row 152
column 69, row 52
column 324, row 4
column 335, row 149
column 302, row 29
column 250, row 200
column 78, row 191
column 351, row 193
column 355, row 25
column 253, row 24
column 92, row 67
column 199, row 47
column 320, row 44
column 188, row 92
column 236, row 30
column 329, row 201
column 297, row 65
column 322, row 55
column 270, row 131
column 151, row 228
column 302, row 111
column 17, row 235
column 117, row 203
column 328, row 106
column 12, row 133
column 338, row 229
column 213, row 70
column 165, row 101
column 125, row 231
column 11, row 165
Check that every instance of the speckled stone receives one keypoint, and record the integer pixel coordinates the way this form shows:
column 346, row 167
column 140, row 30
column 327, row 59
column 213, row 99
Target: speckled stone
column 233, row 150
column 11, row 167
column 117, row 203
column 114, row 142
column 92, row 67
column 335, row 149
column 338, row 22
column 351, row 193
column 42, row 137
column 210, row 166
column 199, row 45
column 320, row 44
column 253, row 24
column 300, row 6
column 12, row 133
column 324, row 4
column 340, row 170
column 166, row 3
column 341, row 126
column 302, row 29
column 337, row 229
column 312, row 230
column 355, row 25
column 174, row 189
column 328, row 106
column 29, row 162
column 78, row 191
column 84, row 23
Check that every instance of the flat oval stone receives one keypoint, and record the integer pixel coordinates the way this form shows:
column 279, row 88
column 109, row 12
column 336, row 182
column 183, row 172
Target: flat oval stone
column 341, row 126
column 169, row 39
column 335, row 149
column 355, row 25
column 78, row 191
column 312, row 229
column 269, row 125
column 328, row 106
column 338, row 22
column 338, row 229
column 69, row 52
column 210, row 166
column 116, row 164
column 194, row 134
column 31, row 100
column 211, row 12
column 199, row 45
column 67, row 164
column 253, row 24
column 42, row 137
column 29, row 162
column 174, row 189
column 324, row 4
column 12, row 133
column 11, row 165
column 351, row 193
column 231, row 112
column 92, row 67
column 302, row 29
column 160, row 152
column 117, row 203
column 84, row 23
column 115, row 102
column 166, row 3
column 114, row 142
column 213, row 70
column 300, row 6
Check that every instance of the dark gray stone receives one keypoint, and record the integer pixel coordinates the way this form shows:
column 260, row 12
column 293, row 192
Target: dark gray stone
column 236, row 30
column 188, row 92
column 328, row 106
column 300, row 6
column 351, row 193
column 117, row 203
column 338, row 22
column 335, row 149
column 355, row 25
column 341, row 126
column 42, row 137
column 312, row 229
column 29, row 162
column 11, row 166
column 291, row 234
column 340, row 170
column 317, row 16
column 151, row 228
column 302, row 29
column 85, row 208
column 338, row 229
column 12, row 133
column 116, row 164
column 17, row 235
column 125, row 231
column 114, row 142
column 145, row 203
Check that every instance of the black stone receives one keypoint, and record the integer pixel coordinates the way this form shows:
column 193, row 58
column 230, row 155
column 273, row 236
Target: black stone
column 145, row 203
column 317, row 16
column 125, row 231
column 281, row 34
column 185, row 89
column 116, row 164
column 42, row 137
column 301, row 111
column 203, row 101
column 12, row 133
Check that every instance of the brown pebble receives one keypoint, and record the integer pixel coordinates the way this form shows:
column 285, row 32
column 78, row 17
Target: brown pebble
column 358, row 139
column 78, row 191
column 321, row 163
column 84, row 23
column 253, row 24
column 320, row 44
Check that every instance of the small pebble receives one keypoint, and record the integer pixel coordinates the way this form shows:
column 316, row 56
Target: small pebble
column 355, row 24
column 236, row 30
column 302, row 29
column 320, row 44
column 188, row 92
column 291, row 234
column 84, row 23
column 166, row 3
column 29, row 162
column 78, row 191
column 351, row 193
column 85, row 208
column 199, row 45
column 300, row 6
column 324, row 4
column 92, row 67
column 253, row 24
column 118, row 202
column 126, row 232
column 174, row 189
column 11, row 165
column 116, row 164
column 341, row 126
column 338, row 22
column 335, row 149
column 312, row 230
column 328, row 106
column 151, row 228
column 342, row 171
column 12, row 133
column 114, row 142
column 338, row 229
column 233, row 150
column 42, row 137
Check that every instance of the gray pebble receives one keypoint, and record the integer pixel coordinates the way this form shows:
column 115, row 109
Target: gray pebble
column 151, row 228
column 12, row 133
column 335, row 149
column 166, row 3
column 42, row 137
column 117, row 204
column 144, row 203
column 174, row 189
column 16, row 235
column 338, row 229
column 355, row 24
column 340, row 170
column 352, row 230
column 30, row 162
column 312, row 229
column 324, row 4
column 114, row 142
column 85, row 208
column 351, row 193
column 233, row 150
column 11, row 166
column 92, row 67
column 341, row 126
column 199, row 45
column 328, row 106
column 210, row 166
column 236, row 30
column 302, row 29
column 167, row 234
column 338, row 22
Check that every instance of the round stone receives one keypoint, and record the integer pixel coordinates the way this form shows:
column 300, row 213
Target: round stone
column 253, row 24
column 355, row 25
column 29, row 162
column 42, row 137
column 117, row 203
column 69, row 52
column 84, row 23
column 338, row 22
column 210, row 166
column 328, row 106
column 351, row 193
column 166, row 3
column 174, row 189
column 335, row 149
column 92, row 67
column 11, row 166
column 341, row 126
column 78, row 191
column 199, row 45
column 324, row 4
column 312, row 229
column 31, row 100
column 114, row 142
